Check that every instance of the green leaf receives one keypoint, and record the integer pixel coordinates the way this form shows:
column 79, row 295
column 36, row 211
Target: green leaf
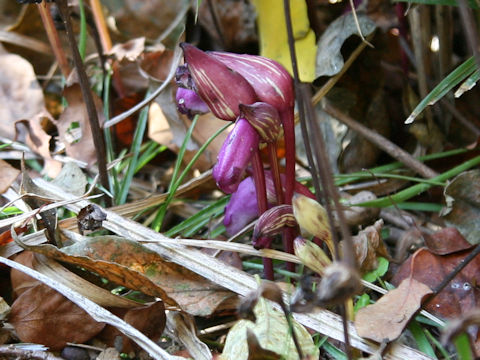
column 458, row 75
column 378, row 272
column 362, row 301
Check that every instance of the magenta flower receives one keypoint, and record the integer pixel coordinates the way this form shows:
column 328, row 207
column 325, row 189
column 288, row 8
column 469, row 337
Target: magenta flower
column 234, row 156
column 220, row 87
column 189, row 103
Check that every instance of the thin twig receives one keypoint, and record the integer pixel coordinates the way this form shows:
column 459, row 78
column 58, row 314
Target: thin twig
column 53, row 38
column 101, row 25
column 382, row 142
column 97, row 133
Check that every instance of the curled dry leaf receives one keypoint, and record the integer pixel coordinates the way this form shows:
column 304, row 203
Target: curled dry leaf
column 42, row 315
column 360, row 215
column 339, row 283
column 446, row 241
column 91, row 218
column 132, row 265
column 386, row 319
column 129, row 51
column 368, row 245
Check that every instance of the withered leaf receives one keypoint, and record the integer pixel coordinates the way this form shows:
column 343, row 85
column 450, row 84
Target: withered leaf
column 446, row 241
column 42, row 315
column 149, row 319
column 459, row 296
column 256, row 351
column 386, row 319
column 90, row 217
column 368, row 245
column 130, row 264
column 8, row 174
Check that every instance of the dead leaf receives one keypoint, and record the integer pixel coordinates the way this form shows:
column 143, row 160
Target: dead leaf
column 446, row 241
column 129, row 51
column 272, row 332
column 148, row 319
column 368, row 245
column 20, row 93
column 71, row 179
column 42, row 315
column 459, row 296
column 130, row 264
column 329, row 58
column 74, row 127
column 91, row 218
column 386, row 319
column 8, row 174
column 462, row 196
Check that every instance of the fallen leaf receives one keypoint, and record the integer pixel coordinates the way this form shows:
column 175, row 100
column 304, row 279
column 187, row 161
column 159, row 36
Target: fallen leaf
column 73, row 125
column 329, row 59
column 8, row 174
column 368, row 246
column 129, row 51
column 21, row 95
column 149, row 319
column 386, row 319
column 42, row 315
column 71, row 179
column 446, row 241
column 255, row 350
column 459, row 296
column 132, row 265
column 271, row 330
column 462, row 196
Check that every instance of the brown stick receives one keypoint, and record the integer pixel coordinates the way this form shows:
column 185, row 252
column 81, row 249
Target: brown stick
column 382, row 142
column 97, row 133
column 53, row 38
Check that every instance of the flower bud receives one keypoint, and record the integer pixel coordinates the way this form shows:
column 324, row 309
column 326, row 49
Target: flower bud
column 265, row 119
column 189, row 103
column 234, row 156
column 272, row 221
column 312, row 217
column 221, row 88
column 311, row 255
column 271, row 81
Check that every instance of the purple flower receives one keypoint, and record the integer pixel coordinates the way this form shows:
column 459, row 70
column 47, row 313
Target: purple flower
column 234, row 156
column 189, row 103
column 220, row 87
column 242, row 207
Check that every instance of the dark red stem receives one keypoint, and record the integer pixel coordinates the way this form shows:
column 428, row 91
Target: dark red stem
column 272, row 153
column 288, row 123
column 261, row 191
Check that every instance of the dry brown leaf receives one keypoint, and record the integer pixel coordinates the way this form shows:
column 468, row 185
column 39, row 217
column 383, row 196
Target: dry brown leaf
column 130, row 264
column 42, row 315
column 129, row 51
column 368, row 245
column 8, row 174
column 386, row 319
column 74, row 127
column 20, row 94
column 148, row 319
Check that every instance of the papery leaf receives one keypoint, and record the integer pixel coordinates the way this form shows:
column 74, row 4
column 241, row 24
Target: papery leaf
column 130, row 264
column 386, row 319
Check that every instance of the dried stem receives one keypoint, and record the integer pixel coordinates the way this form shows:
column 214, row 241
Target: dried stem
column 382, row 142
column 470, row 29
column 97, row 134
column 101, row 25
column 53, row 38
column 261, row 191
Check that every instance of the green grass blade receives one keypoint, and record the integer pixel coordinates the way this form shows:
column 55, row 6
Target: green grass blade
column 464, row 351
column 135, row 151
column 468, row 84
column 421, row 340
column 82, row 39
column 414, row 190
column 193, row 223
column 453, row 79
